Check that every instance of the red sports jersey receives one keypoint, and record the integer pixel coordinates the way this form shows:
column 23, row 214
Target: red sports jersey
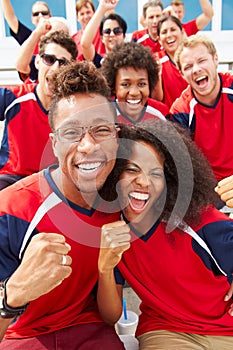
column 211, row 125
column 153, row 110
column 143, row 37
column 36, row 201
column 26, row 147
column 172, row 81
column 97, row 42
column 190, row 27
column 182, row 284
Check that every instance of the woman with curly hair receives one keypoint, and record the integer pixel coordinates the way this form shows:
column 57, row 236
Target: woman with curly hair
column 172, row 246
column 132, row 74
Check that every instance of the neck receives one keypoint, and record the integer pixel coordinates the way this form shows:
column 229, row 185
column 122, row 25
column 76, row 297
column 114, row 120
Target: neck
column 72, row 193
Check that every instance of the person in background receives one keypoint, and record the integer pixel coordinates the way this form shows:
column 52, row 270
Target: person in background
column 171, row 82
column 112, row 31
column 50, row 272
column 24, row 108
column 205, row 107
column 178, row 259
column 152, row 12
column 131, row 80
column 25, row 62
column 84, row 11
column 199, row 23
column 17, row 29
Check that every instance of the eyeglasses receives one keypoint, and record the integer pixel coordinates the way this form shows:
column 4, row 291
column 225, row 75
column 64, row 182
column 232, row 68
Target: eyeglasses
column 75, row 133
column 49, row 60
column 116, row 31
column 43, row 13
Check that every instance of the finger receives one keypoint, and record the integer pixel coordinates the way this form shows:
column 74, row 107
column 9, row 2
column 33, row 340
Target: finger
column 66, row 260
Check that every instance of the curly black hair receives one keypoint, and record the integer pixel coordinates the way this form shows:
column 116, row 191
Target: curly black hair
column 78, row 77
column 189, row 178
column 129, row 54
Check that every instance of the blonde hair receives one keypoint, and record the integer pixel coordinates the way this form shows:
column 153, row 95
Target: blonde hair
column 193, row 41
column 41, row 3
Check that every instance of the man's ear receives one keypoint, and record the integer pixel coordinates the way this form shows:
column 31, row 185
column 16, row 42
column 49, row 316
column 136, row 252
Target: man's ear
column 216, row 60
column 37, row 60
column 53, row 141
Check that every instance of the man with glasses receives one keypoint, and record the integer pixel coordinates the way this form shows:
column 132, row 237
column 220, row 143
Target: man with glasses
column 24, row 109
column 53, row 265
column 112, row 30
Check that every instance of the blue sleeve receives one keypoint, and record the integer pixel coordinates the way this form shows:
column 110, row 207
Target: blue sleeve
column 118, row 276
column 219, row 238
column 6, row 97
column 183, row 120
column 22, row 34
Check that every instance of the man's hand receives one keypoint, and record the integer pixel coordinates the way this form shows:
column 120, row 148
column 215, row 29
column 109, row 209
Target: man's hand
column 44, row 266
column 115, row 239
column 225, row 190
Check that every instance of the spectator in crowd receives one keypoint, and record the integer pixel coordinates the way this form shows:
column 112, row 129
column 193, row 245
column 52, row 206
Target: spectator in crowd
column 181, row 274
column 24, row 108
column 112, row 30
column 25, row 62
column 17, row 29
column 84, row 11
column 131, row 80
column 199, row 23
column 53, row 263
column 205, row 106
column 171, row 82
column 152, row 12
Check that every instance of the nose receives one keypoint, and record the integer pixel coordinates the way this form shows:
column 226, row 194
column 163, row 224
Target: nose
column 142, row 180
column 87, row 144
column 134, row 90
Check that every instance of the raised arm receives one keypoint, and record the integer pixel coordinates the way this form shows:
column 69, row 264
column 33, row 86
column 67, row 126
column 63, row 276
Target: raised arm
column 206, row 16
column 27, row 49
column 10, row 16
column 89, row 32
column 115, row 239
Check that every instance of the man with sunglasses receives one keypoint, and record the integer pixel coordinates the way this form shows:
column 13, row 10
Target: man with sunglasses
column 25, row 62
column 112, row 30
column 17, row 29
column 24, row 109
column 49, row 273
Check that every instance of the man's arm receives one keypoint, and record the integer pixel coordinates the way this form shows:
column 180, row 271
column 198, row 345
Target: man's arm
column 43, row 256
column 27, row 49
column 88, row 49
column 206, row 16
column 10, row 16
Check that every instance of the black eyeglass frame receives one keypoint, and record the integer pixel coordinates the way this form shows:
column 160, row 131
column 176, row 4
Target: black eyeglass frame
column 91, row 130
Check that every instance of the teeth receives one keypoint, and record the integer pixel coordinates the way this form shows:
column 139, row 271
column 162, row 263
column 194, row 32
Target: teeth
column 201, row 78
column 133, row 102
column 140, row 196
column 89, row 167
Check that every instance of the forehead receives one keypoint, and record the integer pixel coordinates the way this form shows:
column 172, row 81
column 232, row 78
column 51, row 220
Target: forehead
column 190, row 53
column 153, row 11
column 86, row 7
column 83, row 110
column 169, row 23
column 145, row 155
column 110, row 23
column 130, row 73
column 39, row 7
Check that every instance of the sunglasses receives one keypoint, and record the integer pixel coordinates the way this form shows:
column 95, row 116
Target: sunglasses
column 43, row 13
column 116, row 31
column 49, row 60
